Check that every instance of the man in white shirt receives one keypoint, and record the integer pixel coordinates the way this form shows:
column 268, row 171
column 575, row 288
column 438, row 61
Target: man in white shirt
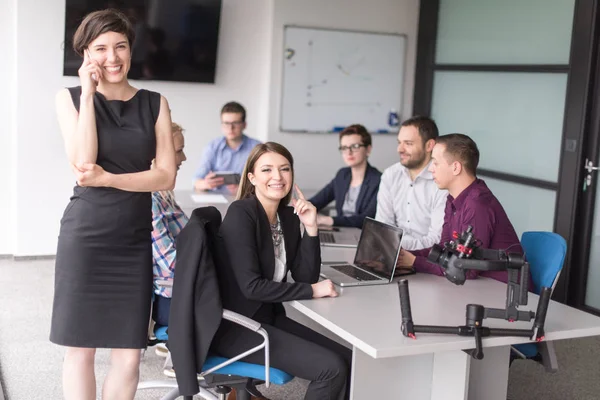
column 408, row 197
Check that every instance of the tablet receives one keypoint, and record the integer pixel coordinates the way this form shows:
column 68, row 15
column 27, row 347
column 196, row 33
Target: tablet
column 229, row 178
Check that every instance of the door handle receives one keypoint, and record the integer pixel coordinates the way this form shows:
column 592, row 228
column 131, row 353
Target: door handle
column 589, row 166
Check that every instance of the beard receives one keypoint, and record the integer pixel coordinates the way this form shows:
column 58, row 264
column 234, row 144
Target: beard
column 416, row 161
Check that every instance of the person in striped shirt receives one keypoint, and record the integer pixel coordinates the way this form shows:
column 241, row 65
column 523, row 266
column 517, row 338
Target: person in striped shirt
column 168, row 219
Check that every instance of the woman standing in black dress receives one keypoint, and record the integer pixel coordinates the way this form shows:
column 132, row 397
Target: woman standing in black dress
column 103, row 281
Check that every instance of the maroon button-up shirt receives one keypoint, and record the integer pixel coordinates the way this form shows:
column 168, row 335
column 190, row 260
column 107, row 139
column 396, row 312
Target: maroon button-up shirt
column 478, row 207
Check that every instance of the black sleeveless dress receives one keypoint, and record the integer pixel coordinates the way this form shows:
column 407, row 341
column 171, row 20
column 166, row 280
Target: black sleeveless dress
column 103, row 277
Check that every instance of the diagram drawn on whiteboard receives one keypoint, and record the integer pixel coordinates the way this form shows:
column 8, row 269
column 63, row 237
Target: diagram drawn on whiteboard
column 336, row 78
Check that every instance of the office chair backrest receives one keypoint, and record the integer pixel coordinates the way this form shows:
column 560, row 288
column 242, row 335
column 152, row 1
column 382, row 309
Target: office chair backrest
column 212, row 223
column 191, row 326
column 212, row 218
column 545, row 252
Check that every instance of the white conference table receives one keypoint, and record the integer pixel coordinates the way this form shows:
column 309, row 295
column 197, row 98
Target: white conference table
column 186, row 201
column 388, row 365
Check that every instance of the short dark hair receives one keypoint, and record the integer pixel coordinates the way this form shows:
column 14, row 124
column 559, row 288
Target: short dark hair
column 359, row 130
column 98, row 22
column 426, row 126
column 234, row 107
column 461, row 148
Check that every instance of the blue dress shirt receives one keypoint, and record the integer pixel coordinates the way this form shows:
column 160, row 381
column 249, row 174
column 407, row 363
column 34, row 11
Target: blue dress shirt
column 219, row 157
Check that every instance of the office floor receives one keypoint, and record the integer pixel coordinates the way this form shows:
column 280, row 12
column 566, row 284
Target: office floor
column 30, row 366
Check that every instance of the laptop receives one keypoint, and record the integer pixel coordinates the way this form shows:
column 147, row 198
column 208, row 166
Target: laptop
column 345, row 237
column 375, row 259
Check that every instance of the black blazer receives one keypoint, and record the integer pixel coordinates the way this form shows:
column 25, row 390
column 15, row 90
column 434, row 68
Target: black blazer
column 245, row 277
column 196, row 305
column 366, row 204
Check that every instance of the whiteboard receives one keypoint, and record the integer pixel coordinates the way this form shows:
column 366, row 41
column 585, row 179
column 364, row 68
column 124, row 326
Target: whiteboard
column 333, row 78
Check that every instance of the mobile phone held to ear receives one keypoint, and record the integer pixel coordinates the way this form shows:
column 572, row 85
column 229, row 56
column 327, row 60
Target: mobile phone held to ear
column 94, row 77
column 229, row 178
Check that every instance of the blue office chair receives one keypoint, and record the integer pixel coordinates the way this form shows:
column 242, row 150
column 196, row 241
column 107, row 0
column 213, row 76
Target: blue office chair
column 219, row 373
column 161, row 333
column 545, row 252
column 223, row 374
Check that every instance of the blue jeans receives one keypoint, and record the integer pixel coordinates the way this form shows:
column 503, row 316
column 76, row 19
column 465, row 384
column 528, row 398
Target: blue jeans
column 160, row 311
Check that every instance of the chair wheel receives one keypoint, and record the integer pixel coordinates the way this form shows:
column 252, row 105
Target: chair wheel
column 222, row 389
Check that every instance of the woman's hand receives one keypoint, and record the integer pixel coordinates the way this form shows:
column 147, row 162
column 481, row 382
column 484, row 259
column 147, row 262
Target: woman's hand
column 324, row 220
column 324, row 288
column 306, row 211
column 90, row 74
column 91, row 175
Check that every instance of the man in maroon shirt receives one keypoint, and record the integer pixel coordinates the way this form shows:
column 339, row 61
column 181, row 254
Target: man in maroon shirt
column 470, row 202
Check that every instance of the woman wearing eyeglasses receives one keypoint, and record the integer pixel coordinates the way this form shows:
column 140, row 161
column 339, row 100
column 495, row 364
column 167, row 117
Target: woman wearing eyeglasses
column 354, row 187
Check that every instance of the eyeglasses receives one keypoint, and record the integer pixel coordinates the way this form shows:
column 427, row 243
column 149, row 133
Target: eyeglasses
column 352, row 148
column 235, row 124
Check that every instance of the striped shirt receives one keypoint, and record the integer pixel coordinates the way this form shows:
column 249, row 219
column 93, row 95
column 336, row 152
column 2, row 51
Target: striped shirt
column 167, row 221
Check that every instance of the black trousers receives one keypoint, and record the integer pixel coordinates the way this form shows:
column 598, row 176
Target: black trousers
column 295, row 349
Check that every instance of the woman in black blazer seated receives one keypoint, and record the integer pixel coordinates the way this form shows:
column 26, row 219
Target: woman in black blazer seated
column 260, row 241
column 355, row 187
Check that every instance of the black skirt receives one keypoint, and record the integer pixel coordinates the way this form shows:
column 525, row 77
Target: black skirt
column 102, row 295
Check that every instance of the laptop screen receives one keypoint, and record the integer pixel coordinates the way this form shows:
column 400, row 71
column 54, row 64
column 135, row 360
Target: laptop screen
column 378, row 248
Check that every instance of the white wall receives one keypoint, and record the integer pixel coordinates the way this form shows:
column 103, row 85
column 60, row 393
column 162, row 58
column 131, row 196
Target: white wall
column 43, row 179
column 42, row 175
column 7, row 71
column 248, row 71
column 316, row 155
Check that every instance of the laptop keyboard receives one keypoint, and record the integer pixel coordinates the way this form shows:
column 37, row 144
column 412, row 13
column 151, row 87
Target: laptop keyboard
column 354, row 272
column 326, row 237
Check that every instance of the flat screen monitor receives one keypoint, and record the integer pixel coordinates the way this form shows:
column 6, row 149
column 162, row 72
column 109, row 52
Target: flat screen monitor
column 176, row 40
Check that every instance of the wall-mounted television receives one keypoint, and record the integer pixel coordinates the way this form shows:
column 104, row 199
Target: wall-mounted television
column 176, row 40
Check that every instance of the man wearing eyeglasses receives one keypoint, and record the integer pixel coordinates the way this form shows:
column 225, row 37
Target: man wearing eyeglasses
column 227, row 153
column 408, row 197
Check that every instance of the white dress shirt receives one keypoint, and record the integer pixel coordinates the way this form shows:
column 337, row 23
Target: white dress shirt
column 415, row 206
column 280, row 257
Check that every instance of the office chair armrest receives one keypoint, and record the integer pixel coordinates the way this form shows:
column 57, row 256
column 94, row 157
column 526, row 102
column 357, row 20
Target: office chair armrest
column 517, row 353
column 241, row 320
column 255, row 327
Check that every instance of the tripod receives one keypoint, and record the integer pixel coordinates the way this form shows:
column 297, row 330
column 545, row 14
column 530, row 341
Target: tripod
column 475, row 314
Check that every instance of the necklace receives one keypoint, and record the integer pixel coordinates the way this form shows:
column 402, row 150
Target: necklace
column 276, row 233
